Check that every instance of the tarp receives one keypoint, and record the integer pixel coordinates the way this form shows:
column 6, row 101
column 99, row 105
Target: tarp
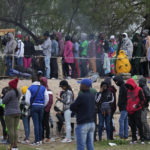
column 5, row 31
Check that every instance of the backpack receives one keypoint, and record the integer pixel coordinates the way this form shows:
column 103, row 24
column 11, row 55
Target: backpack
column 122, row 64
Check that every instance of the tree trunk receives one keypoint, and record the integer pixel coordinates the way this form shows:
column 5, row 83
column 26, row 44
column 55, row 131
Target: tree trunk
column 20, row 25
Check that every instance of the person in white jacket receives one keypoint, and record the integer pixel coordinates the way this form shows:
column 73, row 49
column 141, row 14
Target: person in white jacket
column 127, row 45
column 19, row 54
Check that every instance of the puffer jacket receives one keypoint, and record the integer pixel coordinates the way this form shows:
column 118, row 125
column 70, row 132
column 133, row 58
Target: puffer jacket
column 146, row 90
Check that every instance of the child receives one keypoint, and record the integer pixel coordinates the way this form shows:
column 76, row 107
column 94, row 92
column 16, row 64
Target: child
column 67, row 99
column 25, row 115
column 104, row 99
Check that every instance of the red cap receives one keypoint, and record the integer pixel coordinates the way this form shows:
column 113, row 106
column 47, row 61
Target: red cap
column 14, row 83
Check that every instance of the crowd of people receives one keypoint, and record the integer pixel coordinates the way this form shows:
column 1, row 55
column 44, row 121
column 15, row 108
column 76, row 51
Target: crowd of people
column 74, row 57
column 93, row 109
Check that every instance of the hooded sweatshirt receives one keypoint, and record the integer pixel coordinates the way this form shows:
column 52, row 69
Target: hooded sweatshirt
column 146, row 90
column 122, row 99
column 135, row 97
column 11, row 45
column 61, row 44
column 127, row 45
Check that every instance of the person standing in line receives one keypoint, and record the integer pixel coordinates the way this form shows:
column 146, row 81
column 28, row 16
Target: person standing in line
column 25, row 115
column 55, row 51
column 84, row 107
column 61, row 52
column 92, row 53
column 135, row 101
column 37, row 97
column 9, row 51
column 122, row 104
column 67, row 98
column 29, row 51
column 19, row 54
column 12, row 113
column 143, row 85
column 68, row 57
column 83, row 54
column 104, row 99
column 47, row 109
column 47, row 53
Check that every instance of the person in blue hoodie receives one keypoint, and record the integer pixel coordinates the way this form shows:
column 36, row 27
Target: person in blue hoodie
column 37, row 97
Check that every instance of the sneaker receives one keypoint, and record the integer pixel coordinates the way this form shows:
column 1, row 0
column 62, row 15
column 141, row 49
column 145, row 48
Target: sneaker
column 47, row 140
column 40, row 142
column 25, row 142
column 142, row 142
column 35, row 144
column 133, row 142
column 3, row 141
column 66, row 140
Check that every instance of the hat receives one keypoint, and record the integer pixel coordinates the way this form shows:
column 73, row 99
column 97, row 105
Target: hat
column 86, row 82
column 63, row 83
column 44, row 80
column 112, row 37
column 24, row 89
column 13, row 83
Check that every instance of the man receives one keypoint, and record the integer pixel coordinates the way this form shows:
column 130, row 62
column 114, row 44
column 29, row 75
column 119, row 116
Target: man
column 143, row 85
column 83, row 54
column 84, row 107
column 29, row 51
column 55, row 51
column 9, row 51
column 37, row 97
column 61, row 53
column 127, row 45
column 19, row 54
column 122, row 104
column 47, row 52
column 135, row 100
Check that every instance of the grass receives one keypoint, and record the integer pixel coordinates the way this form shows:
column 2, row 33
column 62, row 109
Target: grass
column 121, row 145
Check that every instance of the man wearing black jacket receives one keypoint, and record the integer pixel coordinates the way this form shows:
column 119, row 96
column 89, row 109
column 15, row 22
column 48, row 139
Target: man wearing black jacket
column 143, row 85
column 122, row 104
column 84, row 108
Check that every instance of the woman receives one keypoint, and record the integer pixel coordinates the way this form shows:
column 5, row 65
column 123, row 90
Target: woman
column 12, row 112
column 67, row 98
column 68, row 57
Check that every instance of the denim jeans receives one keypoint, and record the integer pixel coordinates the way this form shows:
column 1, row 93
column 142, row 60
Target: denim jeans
column 37, row 117
column 67, row 116
column 123, row 123
column 8, row 61
column 26, row 124
column 102, row 119
column 19, row 61
column 47, row 66
column 85, row 136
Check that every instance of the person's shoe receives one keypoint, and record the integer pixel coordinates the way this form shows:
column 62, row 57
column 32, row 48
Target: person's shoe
column 35, row 144
column 47, row 140
column 133, row 142
column 66, row 140
column 142, row 142
column 3, row 141
column 25, row 142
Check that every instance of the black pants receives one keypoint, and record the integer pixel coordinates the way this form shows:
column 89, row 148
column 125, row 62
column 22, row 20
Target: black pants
column 66, row 69
column 46, row 127
column 99, row 67
column 54, row 68
column 83, row 67
column 3, row 126
column 135, row 121
column 60, row 122
column 96, row 127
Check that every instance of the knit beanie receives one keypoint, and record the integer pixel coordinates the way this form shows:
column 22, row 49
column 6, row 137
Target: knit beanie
column 14, row 83
column 24, row 90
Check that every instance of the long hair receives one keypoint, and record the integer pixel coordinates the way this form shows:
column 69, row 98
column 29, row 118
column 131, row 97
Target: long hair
column 70, row 88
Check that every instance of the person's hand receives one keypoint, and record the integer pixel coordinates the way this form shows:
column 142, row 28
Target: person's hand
column 58, row 98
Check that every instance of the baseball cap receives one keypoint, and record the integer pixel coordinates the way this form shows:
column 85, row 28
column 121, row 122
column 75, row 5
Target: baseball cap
column 86, row 82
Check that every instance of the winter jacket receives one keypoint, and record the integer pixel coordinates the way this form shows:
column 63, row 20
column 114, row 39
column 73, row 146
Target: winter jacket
column 11, row 45
column 122, row 98
column 55, row 48
column 29, row 50
column 91, row 49
column 20, row 51
column 42, row 97
column 127, row 46
column 67, row 99
column 47, row 47
column 84, row 107
column 11, row 102
column 135, row 97
column 146, row 90
column 106, row 65
column 84, row 48
column 68, row 52
column 61, row 44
